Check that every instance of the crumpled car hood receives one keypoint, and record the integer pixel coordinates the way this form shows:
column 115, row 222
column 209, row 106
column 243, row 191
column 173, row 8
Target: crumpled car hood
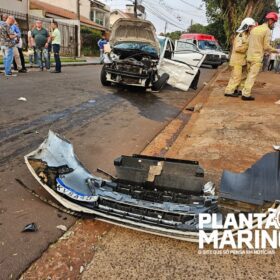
column 134, row 30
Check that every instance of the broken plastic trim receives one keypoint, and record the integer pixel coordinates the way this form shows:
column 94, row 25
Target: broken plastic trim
column 55, row 158
column 257, row 185
column 57, row 169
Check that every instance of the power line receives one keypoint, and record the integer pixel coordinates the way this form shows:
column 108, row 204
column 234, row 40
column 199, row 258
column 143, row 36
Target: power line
column 169, row 8
column 158, row 15
column 158, row 10
column 164, row 14
column 185, row 2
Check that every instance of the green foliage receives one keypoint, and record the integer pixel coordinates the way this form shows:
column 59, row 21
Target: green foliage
column 174, row 35
column 197, row 28
column 89, row 39
column 230, row 13
column 215, row 29
column 276, row 43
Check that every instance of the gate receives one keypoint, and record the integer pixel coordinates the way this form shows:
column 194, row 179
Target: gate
column 68, row 31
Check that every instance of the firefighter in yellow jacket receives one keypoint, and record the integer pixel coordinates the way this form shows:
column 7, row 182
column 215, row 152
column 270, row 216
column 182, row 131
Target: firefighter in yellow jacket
column 238, row 58
column 259, row 42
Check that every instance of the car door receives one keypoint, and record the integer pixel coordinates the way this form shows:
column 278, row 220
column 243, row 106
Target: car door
column 188, row 53
column 181, row 75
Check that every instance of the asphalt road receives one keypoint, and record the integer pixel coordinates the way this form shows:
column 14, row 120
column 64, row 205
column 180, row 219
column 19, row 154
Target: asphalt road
column 102, row 123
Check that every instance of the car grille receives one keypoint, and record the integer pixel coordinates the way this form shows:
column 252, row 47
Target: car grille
column 129, row 68
column 212, row 57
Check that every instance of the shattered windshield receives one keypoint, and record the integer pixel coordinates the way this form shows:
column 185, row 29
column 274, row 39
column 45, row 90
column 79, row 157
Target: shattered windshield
column 142, row 47
column 209, row 45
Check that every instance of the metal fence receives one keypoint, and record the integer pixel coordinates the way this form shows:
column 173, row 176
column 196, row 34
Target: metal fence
column 69, row 32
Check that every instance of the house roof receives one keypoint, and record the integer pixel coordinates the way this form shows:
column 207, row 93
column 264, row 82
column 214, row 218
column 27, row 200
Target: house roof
column 54, row 10
column 123, row 13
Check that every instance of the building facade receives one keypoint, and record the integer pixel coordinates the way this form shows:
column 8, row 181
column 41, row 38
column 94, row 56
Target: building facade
column 17, row 6
column 91, row 14
column 127, row 13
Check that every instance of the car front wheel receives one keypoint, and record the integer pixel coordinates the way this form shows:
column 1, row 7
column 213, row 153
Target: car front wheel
column 103, row 78
column 160, row 83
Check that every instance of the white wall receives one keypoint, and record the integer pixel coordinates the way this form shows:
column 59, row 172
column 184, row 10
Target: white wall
column 71, row 5
column 15, row 5
column 114, row 17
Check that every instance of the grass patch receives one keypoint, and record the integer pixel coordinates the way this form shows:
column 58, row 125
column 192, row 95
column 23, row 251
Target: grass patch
column 63, row 60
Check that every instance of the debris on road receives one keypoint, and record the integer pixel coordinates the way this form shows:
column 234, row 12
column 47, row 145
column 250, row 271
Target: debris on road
column 22, row 99
column 257, row 185
column 62, row 227
column 276, row 147
column 30, row 228
column 190, row 108
column 195, row 108
column 169, row 205
column 158, row 195
column 198, row 107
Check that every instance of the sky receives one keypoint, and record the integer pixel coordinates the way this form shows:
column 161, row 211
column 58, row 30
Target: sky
column 178, row 13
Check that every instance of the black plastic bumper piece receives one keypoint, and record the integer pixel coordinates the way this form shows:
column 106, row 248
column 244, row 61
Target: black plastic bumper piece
column 257, row 185
column 176, row 175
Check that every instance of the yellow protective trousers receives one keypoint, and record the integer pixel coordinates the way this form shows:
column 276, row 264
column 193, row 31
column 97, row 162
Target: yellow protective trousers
column 253, row 69
column 237, row 78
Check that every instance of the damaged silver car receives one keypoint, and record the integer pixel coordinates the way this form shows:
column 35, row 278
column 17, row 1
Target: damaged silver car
column 137, row 59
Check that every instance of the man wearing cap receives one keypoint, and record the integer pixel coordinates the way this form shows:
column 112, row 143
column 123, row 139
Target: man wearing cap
column 259, row 43
column 238, row 58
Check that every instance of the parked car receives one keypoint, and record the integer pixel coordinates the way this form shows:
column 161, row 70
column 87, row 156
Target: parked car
column 207, row 44
column 135, row 58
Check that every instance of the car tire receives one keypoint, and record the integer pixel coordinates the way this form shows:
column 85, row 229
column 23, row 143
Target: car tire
column 215, row 66
column 160, row 83
column 195, row 81
column 103, row 78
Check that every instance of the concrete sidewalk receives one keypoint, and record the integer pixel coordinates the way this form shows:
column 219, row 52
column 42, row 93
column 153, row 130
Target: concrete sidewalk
column 229, row 133
column 223, row 133
column 89, row 61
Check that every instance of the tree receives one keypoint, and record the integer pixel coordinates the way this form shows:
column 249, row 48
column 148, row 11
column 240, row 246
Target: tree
column 215, row 29
column 196, row 28
column 174, row 35
column 232, row 12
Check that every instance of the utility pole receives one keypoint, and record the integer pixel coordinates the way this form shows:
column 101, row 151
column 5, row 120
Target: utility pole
column 135, row 8
column 27, row 15
column 165, row 28
column 78, row 10
column 78, row 30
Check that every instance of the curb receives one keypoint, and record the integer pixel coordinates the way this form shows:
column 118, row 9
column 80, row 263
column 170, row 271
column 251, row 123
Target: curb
column 164, row 137
column 63, row 64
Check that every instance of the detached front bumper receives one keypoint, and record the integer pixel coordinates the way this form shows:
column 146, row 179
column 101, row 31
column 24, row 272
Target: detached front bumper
column 140, row 203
